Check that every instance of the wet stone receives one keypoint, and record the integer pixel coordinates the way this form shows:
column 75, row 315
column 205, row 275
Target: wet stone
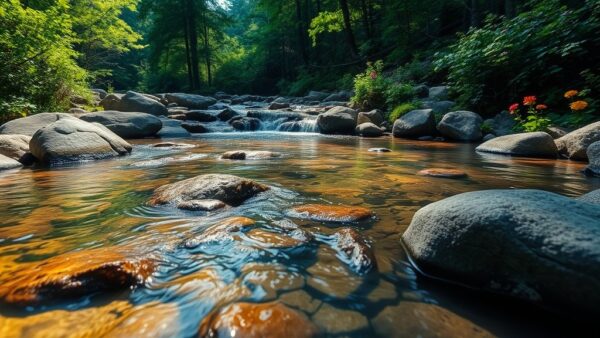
column 331, row 277
column 249, row 155
column 379, row 150
column 272, row 278
column 301, row 300
column 258, row 320
column 172, row 145
column 221, row 232
column 354, row 251
column 337, row 321
column 201, row 205
column 443, row 173
column 331, row 213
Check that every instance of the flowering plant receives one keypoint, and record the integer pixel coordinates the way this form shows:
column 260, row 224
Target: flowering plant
column 531, row 119
column 578, row 103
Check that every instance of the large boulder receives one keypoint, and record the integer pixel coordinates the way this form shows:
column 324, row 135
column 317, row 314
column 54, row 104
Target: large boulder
column 415, row 124
column 529, row 244
column 200, row 116
column 438, row 93
column 227, row 114
column 9, row 163
column 341, row 96
column 30, row 124
column 374, row 116
column 438, row 107
column 368, row 129
column 537, row 144
column 128, row 125
column 574, row 145
column 229, row 189
column 172, row 128
column 244, row 123
column 191, row 100
column 461, row 126
column 75, row 140
column 17, row 148
column 501, row 124
column 315, row 96
column 338, row 120
column 593, row 154
column 134, row 102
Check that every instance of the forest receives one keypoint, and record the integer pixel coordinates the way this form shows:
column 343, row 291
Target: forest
column 490, row 53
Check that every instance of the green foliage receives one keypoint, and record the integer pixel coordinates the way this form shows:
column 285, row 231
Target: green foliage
column 375, row 89
column 325, row 22
column 486, row 128
column 402, row 109
column 543, row 49
column 398, row 92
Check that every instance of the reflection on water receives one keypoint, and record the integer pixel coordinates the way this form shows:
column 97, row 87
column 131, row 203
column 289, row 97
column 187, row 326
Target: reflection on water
column 49, row 212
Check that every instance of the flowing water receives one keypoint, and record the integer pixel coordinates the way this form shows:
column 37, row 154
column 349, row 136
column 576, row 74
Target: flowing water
column 45, row 212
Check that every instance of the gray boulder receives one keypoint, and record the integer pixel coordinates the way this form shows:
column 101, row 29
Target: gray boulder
column 438, row 107
column 368, row 129
column 226, row 114
column 530, row 244
column 557, row 132
column 421, row 91
column 195, row 127
column 593, row 154
column 128, row 125
column 415, row 124
column 17, row 148
column 341, row 96
column 200, row 116
column 172, row 128
column 338, row 120
column 191, row 100
column 591, row 197
column 69, row 140
column 100, row 92
column 374, row 116
column 30, row 124
column 537, row 144
column 501, row 124
column 439, row 93
column 574, row 145
column 245, row 123
column 134, row 102
column 461, row 126
column 278, row 105
column 7, row 163
column 315, row 96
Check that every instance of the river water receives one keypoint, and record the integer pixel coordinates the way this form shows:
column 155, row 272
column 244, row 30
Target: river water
column 46, row 212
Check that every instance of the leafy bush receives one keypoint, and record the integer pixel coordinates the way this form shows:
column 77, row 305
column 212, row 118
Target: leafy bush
column 402, row 109
column 533, row 118
column 396, row 93
column 375, row 89
column 540, row 50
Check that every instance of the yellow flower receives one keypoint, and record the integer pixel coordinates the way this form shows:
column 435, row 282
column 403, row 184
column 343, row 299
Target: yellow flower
column 579, row 105
column 571, row 93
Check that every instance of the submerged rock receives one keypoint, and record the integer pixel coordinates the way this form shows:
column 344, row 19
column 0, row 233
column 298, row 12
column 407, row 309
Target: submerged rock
column 219, row 233
column 574, row 145
column 76, row 140
column 537, row 144
column 593, row 153
column 229, row 189
column 530, row 244
column 443, row 173
column 331, row 213
column 415, row 124
column 16, row 147
column 74, row 275
column 461, row 126
column 249, row 155
column 257, row 320
column 354, row 251
column 337, row 321
column 380, row 150
column 30, row 124
column 191, row 100
column 128, row 125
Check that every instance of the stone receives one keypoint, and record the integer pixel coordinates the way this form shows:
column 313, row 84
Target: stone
column 336, row 321
column 76, row 274
column 301, row 300
column 354, row 250
column 438, row 107
column 128, row 125
column 100, row 92
column 249, row 155
column 380, row 150
column 443, row 173
column 461, row 126
column 200, row 116
column 593, row 154
column 7, row 163
column 30, row 124
column 536, row 144
column 368, row 129
column 134, row 102
column 314, row 95
column 591, row 197
column 257, row 320
column 17, row 148
column 415, row 124
column 229, row 189
column 331, row 277
column 69, row 140
column 245, row 123
column 220, row 232
column 338, row 120
column 227, row 114
column 557, row 132
column 411, row 319
column 421, row 91
column 374, row 116
column 190, row 100
column 172, row 145
column 501, row 124
column 488, row 137
column 341, row 96
column 278, row 105
column 195, row 127
column 331, row 213
column 172, row 128
column 201, row 205
column 530, row 244
column 438, row 93
column 574, row 145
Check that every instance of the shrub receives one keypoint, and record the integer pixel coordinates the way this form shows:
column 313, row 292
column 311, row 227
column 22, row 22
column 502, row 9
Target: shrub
column 375, row 89
column 533, row 118
column 402, row 109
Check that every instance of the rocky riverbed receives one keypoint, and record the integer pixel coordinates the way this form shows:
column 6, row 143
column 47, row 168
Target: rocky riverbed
column 269, row 223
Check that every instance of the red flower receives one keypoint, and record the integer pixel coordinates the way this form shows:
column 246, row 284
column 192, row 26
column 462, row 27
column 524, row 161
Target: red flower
column 373, row 75
column 513, row 108
column 529, row 100
column 541, row 107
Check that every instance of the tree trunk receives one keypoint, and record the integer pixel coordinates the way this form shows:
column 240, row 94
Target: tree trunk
column 207, row 53
column 188, row 58
column 301, row 32
column 348, row 27
column 193, row 32
column 509, row 9
column 475, row 13
column 365, row 18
